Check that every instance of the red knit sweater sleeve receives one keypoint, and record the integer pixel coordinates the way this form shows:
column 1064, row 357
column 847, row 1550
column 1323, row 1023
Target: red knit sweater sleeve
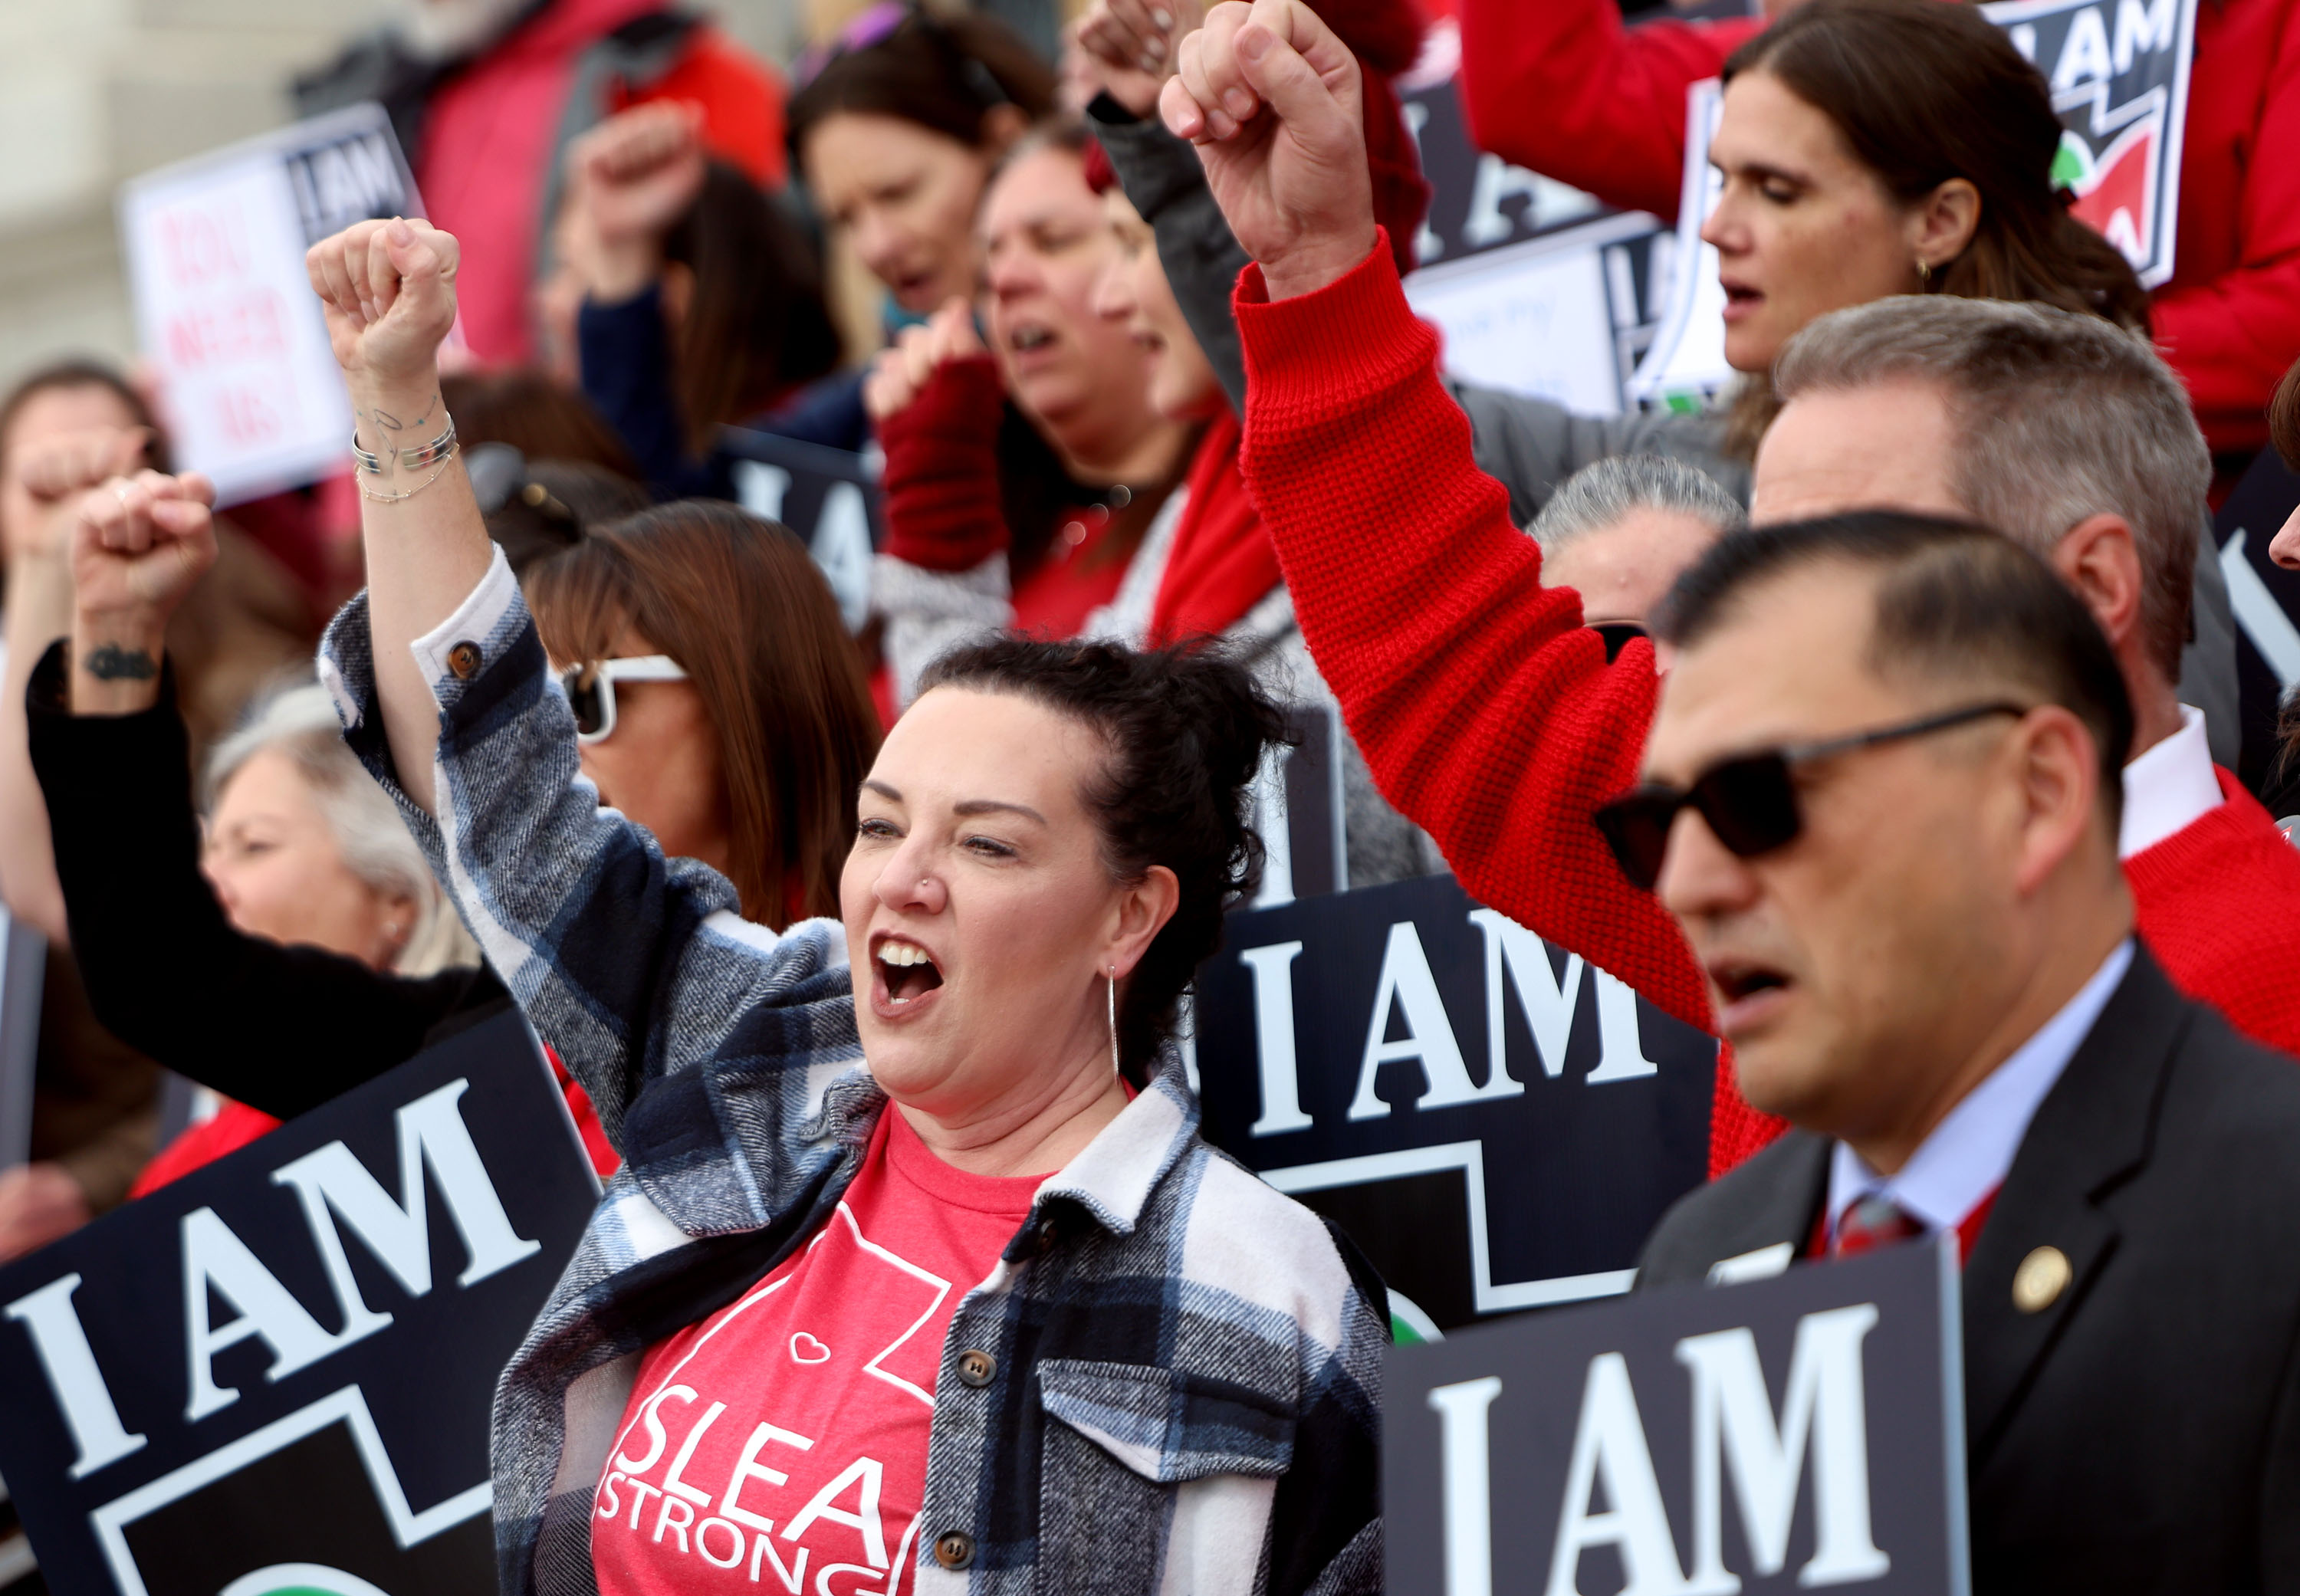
column 940, row 486
column 2229, row 321
column 1561, row 87
column 2217, row 901
column 1485, row 708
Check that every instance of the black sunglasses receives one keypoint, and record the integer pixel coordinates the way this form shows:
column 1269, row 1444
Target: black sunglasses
column 1750, row 802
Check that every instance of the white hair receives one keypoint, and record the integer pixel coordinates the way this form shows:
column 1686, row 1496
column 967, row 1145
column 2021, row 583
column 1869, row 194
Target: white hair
column 299, row 722
column 1601, row 493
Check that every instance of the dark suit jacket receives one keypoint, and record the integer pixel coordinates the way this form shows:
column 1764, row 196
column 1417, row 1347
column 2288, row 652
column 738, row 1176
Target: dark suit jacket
column 2142, row 1433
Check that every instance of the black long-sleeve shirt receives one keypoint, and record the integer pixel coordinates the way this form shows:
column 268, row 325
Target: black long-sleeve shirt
column 281, row 1029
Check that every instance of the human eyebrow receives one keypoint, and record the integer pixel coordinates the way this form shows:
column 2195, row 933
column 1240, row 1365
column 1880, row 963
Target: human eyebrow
column 882, row 789
column 989, row 806
column 1759, row 171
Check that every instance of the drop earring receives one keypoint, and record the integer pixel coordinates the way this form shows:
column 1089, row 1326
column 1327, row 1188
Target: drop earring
column 1113, row 1020
column 1924, row 272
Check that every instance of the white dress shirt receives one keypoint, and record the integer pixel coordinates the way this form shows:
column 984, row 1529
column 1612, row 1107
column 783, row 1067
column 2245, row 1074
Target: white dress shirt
column 1971, row 1150
column 2170, row 787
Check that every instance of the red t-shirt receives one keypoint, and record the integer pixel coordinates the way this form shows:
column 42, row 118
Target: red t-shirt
column 780, row 1444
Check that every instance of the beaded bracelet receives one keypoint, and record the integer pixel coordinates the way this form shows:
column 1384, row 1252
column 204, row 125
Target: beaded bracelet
column 377, row 498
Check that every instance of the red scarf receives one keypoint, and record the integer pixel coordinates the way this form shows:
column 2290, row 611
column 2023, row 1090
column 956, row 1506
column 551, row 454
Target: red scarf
column 1222, row 562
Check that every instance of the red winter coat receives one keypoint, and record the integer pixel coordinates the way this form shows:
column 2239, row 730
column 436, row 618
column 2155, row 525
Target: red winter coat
column 1491, row 716
column 1561, row 87
column 494, row 130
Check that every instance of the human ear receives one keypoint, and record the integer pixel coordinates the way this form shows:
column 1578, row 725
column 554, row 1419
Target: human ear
column 1942, row 224
column 1142, row 912
column 2058, row 769
column 2097, row 557
column 1002, row 125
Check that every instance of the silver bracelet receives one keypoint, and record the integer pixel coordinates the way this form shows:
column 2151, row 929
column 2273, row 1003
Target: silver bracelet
column 372, row 464
column 376, row 498
column 438, row 449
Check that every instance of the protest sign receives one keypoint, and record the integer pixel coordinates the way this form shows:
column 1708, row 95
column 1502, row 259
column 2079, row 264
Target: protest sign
column 275, row 1373
column 2118, row 71
column 2120, row 75
column 1604, row 1443
column 23, row 962
column 1538, row 287
column 224, row 311
column 828, row 497
column 1297, row 810
column 1685, row 361
column 1495, row 1124
column 2266, row 600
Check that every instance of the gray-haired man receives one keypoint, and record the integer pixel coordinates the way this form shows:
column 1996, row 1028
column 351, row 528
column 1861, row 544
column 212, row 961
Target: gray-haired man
column 1618, row 531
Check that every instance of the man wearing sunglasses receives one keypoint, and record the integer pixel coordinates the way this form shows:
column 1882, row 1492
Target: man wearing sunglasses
column 1882, row 797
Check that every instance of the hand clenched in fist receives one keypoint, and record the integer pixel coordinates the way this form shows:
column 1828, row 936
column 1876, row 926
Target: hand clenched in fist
column 1272, row 100
column 54, row 470
column 139, row 543
column 388, row 289
column 630, row 180
column 899, row 374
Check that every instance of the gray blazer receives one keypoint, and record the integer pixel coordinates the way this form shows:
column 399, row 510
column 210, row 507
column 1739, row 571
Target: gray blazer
column 2141, row 1432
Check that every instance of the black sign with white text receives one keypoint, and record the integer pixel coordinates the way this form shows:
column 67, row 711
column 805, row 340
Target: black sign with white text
column 1801, row 1431
column 275, row 1374
column 2119, row 77
column 1495, row 1123
column 828, row 497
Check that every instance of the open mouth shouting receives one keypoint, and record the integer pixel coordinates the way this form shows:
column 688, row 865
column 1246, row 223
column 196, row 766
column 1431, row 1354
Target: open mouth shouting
column 1749, row 994
column 904, row 977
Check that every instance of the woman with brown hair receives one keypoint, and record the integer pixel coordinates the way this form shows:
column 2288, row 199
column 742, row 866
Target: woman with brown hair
column 719, row 698
column 2283, row 791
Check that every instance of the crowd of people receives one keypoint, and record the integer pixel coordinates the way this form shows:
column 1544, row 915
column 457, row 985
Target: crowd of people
column 1879, row 719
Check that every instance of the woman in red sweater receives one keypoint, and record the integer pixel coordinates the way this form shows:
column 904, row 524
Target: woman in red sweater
column 1564, row 88
column 1490, row 713
column 977, row 534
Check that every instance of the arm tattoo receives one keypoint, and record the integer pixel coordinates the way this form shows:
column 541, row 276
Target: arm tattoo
column 113, row 663
column 391, row 423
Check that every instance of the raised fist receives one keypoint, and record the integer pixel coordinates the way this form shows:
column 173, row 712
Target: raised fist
column 630, row 180
column 54, row 470
column 388, row 289
column 139, row 543
column 899, row 374
column 1273, row 102
column 1131, row 47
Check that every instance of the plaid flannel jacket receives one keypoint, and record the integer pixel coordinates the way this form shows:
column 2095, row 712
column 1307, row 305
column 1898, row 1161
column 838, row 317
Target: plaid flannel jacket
column 1187, row 1388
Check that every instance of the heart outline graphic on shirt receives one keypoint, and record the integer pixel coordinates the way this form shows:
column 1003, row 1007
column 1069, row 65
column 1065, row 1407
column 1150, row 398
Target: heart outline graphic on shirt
column 820, row 1353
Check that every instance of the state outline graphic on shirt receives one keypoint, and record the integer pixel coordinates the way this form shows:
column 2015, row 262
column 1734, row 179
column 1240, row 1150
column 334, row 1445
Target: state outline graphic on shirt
column 785, row 1277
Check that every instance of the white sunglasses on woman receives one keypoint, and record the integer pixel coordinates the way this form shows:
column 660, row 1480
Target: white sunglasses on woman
column 591, row 690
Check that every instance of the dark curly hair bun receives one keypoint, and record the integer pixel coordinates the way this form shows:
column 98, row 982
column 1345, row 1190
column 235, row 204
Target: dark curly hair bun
column 1186, row 729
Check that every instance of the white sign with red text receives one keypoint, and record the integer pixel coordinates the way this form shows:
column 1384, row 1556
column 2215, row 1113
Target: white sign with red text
column 224, row 313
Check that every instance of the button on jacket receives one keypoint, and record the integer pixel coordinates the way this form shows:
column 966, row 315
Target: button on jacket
column 1170, row 1382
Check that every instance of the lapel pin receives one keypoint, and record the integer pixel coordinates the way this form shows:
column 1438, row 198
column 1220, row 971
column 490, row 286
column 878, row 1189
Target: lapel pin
column 2041, row 1278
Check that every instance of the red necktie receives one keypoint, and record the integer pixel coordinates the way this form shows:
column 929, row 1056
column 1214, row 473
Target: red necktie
column 1871, row 1222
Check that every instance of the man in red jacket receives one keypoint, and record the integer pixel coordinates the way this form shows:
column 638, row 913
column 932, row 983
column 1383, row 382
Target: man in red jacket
column 1563, row 87
column 1489, row 713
